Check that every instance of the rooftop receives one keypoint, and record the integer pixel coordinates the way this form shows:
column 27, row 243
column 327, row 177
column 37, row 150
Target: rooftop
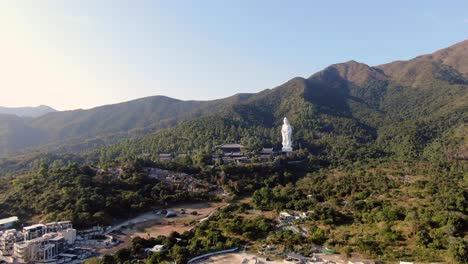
column 267, row 150
column 67, row 255
column 57, row 238
column 8, row 220
column 231, row 145
column 157, row 248
column 33, row 226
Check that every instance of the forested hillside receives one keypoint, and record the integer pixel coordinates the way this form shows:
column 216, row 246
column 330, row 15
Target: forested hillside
column 403, row 110
column 80, row 130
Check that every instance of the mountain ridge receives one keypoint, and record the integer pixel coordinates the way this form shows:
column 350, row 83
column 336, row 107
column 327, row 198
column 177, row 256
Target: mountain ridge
column 351, row 102
column 36, row 111
column 350, row 90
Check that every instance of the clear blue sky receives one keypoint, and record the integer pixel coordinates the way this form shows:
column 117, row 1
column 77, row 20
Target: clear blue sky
column 80, row 54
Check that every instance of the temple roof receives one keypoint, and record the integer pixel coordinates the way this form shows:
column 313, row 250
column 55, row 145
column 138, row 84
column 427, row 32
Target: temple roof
column 230, row 145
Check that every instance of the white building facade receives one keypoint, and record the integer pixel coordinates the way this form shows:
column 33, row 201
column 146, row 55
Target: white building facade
column 36, row 243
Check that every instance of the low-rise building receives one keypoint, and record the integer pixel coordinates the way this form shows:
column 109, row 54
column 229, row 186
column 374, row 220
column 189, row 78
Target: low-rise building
column 69, row 235
column 266, row 154
column 285, row 216
column 165, row 157
column 38, row 243
column 37, row 249
column 34, row 231
column 157, row 248
column 7, row 239
column 231, row 148
column 7, row 223
column 44, row 248
column 58, row 226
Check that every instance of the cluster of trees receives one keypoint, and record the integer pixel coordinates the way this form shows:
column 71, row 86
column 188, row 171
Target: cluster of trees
column 200, row 137
column 250, row 229
column 366, row 210
column 68, row 191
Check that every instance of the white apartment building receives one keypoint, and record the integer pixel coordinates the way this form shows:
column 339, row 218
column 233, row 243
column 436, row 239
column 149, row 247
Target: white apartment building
column 58, row 226
column 37, row 249
column 36, row 243
column 34, row 231
column 7, row 239
column 8, row 222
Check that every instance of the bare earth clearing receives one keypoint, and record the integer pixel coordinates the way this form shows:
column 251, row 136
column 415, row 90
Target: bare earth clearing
column 153, row 225
column 181, row 223
column 238, row 258
column 246, row 258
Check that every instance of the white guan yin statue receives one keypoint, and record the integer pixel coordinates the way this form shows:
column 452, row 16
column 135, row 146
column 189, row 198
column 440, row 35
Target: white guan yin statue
column 286, row 132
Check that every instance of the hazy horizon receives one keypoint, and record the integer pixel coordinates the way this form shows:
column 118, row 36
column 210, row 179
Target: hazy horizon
column 83, row 54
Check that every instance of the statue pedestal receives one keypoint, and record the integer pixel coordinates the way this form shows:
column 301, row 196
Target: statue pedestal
column 287, row 149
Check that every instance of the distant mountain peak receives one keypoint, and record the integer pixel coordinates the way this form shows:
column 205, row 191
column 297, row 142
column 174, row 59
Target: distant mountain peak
column 351, row 71
column 27, row 111
column 447, row 64
column 454, row 56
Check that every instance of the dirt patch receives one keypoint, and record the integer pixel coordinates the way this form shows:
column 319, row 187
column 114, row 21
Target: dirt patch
column 245, row 258
column 152, row 225
column 338, row 259
column 254, row 213
column 237, row 258
column 185, row 220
